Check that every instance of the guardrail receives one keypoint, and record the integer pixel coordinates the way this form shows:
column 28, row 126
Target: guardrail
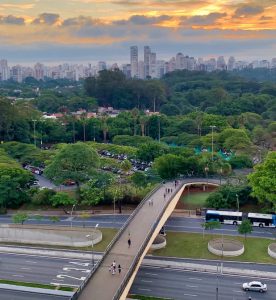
column 111, row 244
column 141, row 249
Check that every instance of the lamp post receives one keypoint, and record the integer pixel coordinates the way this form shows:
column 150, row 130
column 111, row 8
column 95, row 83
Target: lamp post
column 220, row 173
column 72, row 213
column 206, row 169
column 34, row 132
column 159, row 129
column 238, row 202
column 94, row 129
column 92, row 245
column 212, row 127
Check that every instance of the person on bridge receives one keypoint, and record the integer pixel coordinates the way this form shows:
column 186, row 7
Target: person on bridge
column 129, row 242
column 119, row 269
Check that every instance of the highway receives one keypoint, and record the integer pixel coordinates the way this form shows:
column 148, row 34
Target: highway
column 179, row 285
column 179, row 224
column 18, row 295
column 154, row 281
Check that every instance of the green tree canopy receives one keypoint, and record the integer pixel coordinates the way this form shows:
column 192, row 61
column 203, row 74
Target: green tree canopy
column 263, row 181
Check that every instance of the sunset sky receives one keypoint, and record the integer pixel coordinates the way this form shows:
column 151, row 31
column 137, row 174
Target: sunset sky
column 90, row 30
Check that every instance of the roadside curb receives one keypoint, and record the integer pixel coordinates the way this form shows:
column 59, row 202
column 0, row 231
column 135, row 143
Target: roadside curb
column 35, row 290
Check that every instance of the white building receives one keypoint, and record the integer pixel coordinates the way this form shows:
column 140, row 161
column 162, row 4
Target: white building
column 4, row 70
column 134, row 61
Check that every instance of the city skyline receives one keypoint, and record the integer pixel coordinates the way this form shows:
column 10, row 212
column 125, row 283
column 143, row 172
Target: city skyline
column 92, row 30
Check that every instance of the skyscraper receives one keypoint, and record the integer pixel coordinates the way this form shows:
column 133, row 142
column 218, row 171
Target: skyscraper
column 147, row 53
column 134, row 61
column 231, row 63
column 16, row 73
column 4, row 70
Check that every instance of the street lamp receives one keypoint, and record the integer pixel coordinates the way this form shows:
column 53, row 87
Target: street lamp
column 212, row 127
column 206, row 169
column 34, row 132
column 92, row 245
column 238, row 202
column 220, row 173
column 94, row 128
column 72, row 213
column 159, row 129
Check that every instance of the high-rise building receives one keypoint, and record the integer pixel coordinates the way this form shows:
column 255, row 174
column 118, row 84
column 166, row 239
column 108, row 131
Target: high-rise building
column 141, row 70
column 160, row 68
column 221, row 65
column 152, row 71
column 231, row 63
column 4, row 70
column 179, row 61
column 126, row 68
column 101, row 66
column 16, row 73
column 134, row 61
column 39, row 71
column 273, row 63
column 147, row 53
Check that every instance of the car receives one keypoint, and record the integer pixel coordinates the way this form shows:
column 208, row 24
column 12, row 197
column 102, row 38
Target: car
column 256, row 286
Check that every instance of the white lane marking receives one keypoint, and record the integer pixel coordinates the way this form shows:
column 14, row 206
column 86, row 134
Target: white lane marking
column 70, row 285
column 238, row 291
column 31, row 262
column 62, row 276
column 146, row 280
column 192, row 286
column 18, row 275
column 151, row 274
column 193, row 278
column 83, row 264
column 76, row 269
column 25, row 268
column 144, row 289
column 191, row 295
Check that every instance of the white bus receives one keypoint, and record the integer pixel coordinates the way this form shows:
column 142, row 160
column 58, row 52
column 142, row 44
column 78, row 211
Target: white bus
column 262, row 220
column 224, row 217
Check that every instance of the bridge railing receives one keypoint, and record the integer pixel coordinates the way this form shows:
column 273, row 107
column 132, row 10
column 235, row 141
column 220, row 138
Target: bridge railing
column 111, row 244
column 142, row 248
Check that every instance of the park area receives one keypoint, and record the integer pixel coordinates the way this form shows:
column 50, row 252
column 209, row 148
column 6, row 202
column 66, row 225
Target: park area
column 194, row 245
column 194, row 197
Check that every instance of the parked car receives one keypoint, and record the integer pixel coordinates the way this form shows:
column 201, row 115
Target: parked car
column 256, row 286
column 69, row 182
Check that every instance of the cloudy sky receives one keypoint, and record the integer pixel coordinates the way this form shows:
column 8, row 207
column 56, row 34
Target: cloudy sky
column 90, row 30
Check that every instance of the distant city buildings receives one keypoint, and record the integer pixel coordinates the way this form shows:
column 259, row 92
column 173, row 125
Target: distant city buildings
column 148, row 66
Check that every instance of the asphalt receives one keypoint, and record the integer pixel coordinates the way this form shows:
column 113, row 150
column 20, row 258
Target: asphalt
column 175, row 283
column 18, row 295
column 179, row 284
column 176, row 224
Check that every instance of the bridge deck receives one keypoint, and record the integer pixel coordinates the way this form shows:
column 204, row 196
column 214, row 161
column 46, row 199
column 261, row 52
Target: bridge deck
column 103, row 285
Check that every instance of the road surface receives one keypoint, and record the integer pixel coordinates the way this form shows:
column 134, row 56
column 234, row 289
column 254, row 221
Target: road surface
column 179, row 224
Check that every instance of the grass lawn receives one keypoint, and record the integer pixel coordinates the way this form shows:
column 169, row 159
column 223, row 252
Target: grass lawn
column 35, row 285
column 108, row 235
column 193, row 245
column 195, row 200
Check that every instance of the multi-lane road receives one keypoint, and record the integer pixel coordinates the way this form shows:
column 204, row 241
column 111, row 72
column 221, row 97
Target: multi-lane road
column 180, row 224
column 154, row 281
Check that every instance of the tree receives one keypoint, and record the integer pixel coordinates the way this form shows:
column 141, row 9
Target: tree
column 126, row 165
column 62, row 199
column 245, row 227
column 20, row 218
column 211, row 225
column 76, row 162
column 216, row 201
column 263, row 181
column 167, row 165
column 149, row 151
column 14, row 183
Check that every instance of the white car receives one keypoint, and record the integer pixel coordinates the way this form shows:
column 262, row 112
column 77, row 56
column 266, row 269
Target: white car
column 255, row 286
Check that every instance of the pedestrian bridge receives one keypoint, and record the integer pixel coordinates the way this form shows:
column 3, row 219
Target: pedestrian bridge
column 142, row 227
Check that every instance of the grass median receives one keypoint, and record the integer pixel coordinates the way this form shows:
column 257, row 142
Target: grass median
column 140, row 297
column 36, row 285
column 193, row 245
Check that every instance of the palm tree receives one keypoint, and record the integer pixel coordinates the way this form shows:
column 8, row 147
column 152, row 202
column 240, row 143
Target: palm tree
column 143, row 121
column 104, row 126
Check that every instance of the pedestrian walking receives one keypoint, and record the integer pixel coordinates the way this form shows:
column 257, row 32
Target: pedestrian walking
column 114, row 265
column 113, row 271
column 129, row 242
column 119, row 269
column 164, row 196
